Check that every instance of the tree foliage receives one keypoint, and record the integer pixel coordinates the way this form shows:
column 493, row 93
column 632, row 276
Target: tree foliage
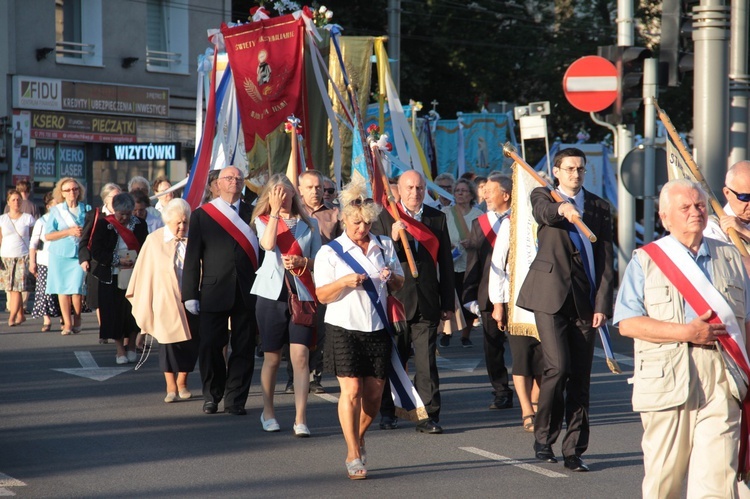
column 466, row 54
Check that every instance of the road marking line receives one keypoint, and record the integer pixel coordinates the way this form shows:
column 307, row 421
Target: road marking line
column 326, row 396
column 86, row 360
column 621, row 359
column 9, row 481
column 514, row 462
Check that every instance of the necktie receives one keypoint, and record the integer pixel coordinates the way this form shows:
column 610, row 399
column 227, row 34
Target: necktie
column 234, row 208
column 179, row 259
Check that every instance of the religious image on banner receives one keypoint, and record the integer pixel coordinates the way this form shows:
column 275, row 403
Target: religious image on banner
column 267, row 61
column 523, row 249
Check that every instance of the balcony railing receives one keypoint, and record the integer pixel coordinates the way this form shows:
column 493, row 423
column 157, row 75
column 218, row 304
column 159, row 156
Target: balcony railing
column 74, row 49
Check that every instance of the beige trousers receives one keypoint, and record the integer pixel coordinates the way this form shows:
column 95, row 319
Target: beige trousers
column 698, row 440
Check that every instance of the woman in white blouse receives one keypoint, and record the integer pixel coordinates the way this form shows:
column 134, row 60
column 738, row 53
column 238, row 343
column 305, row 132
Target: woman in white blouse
column 358, row 346
column 44, row 305
column 15, row 233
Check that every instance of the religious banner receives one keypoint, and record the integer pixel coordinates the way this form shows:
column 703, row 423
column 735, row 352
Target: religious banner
column 267, row 61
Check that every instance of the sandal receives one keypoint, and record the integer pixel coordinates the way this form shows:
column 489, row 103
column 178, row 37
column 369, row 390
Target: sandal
column 355, row 470
column 528, row 427
column 46, row 328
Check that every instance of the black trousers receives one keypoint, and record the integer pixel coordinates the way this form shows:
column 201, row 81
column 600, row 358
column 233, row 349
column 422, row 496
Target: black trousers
column 423, row 333
column 568, row 350
column 229, row 380
column 494, row 356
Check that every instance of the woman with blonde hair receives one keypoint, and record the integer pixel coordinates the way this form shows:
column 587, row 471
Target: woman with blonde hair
column 63, row 230
column 45, row 305
column 290, row 239
column 352, row 273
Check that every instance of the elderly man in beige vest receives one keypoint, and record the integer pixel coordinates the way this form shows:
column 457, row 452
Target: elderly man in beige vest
column 686, row 381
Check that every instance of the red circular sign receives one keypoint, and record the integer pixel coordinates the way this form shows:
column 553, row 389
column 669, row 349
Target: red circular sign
column 590, row 83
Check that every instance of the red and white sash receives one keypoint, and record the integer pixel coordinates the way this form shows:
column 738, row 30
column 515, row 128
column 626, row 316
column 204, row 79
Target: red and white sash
column 230, row 221
column 126, row 234
column 490, row 225
column 418, row 231
column 683, row 272
column 288, row 245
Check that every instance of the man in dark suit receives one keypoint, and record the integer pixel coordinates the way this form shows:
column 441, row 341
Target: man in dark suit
column 216, row 282
column 497, row 191
column 569, row 288
column 427, row 299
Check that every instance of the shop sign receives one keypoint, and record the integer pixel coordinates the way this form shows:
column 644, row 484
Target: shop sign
column 82, row 128
column 31, row 92
column 44, row 160
column 72, row 161
column 151, row 151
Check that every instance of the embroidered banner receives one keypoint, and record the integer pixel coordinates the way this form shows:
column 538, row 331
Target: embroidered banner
column 269, row 73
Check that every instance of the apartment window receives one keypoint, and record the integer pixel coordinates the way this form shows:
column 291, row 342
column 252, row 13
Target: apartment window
column 166, row 36
column 78, row 32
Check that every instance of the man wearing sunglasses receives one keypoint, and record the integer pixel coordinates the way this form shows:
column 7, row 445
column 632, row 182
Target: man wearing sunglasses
column 737, row 191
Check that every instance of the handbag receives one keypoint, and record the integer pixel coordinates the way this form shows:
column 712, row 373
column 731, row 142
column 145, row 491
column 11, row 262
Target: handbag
column 303, row 312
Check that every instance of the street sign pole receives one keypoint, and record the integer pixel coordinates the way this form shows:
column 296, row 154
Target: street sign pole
column 650, row 85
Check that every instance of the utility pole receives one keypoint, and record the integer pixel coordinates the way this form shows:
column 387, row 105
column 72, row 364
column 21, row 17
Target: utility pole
column 394, row 41
column 739, row 83
column 650, row 88
column 626, row 202
column 711, row 90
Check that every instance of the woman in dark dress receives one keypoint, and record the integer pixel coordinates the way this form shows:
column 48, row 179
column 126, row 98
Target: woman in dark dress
column 115, row 241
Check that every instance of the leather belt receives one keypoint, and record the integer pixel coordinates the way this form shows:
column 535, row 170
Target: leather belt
column 704, row 347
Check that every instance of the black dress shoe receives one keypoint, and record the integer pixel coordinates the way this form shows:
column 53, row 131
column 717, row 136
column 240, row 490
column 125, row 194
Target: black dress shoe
column 544, row 453
column 429, row 426
column 210, row 407
column 502, row 402
column 388, row 423
column 575, row 463
column 235, row 410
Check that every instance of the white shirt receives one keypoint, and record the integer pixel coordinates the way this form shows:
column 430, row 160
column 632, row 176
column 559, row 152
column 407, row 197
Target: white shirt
column 353, row 309
column 16, row 235
column 153, row 219
column 42, row 256
column 713, row 228
column 499, row 283
column 179, row 262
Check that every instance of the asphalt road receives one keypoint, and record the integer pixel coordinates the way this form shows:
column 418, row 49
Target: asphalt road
column 66, row 435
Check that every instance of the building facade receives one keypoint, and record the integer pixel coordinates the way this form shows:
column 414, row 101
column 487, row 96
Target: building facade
column 100, row 90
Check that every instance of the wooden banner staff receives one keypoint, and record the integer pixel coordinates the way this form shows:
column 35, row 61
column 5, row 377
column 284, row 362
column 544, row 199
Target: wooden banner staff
column 688, row 159
column 380, row 176
column 373, row 166
column 511, row 153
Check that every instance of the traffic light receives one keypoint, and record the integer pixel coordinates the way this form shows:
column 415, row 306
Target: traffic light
column 629, row 64
column 676, row 52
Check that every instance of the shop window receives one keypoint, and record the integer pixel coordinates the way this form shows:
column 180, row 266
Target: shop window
column 78, row 32
column 166, row 36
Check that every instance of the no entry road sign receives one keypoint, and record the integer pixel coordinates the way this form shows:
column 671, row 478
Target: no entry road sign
column 590, row 83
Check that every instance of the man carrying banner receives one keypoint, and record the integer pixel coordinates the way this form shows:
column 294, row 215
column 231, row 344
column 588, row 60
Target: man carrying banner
column 427, row 298
column 569, row 288
column 737, row 191
column 219, row 270
column 684, row 300
column 475, row 297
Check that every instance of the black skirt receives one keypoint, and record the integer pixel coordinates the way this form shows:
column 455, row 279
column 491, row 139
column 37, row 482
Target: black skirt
column 357, row 354
column 181, row 357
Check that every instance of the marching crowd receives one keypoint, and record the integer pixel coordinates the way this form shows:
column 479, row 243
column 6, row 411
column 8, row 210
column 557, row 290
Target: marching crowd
column 315, row 277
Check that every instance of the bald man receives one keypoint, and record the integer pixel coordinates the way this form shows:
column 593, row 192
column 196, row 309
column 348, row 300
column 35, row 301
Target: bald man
column 427, row 298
